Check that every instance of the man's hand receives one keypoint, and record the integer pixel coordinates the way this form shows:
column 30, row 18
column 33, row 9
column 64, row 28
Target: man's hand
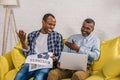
column 53, row 58
column 22, row 36
column 58, row 66
column 72, row 45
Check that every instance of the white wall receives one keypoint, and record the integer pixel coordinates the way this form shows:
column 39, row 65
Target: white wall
column 69, row 15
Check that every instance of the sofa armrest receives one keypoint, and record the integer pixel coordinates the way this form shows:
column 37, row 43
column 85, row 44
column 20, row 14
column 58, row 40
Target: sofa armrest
column 3, row 67
column 9, row 60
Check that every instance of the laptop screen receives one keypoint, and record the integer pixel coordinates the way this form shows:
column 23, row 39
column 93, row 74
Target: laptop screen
column 73, row 61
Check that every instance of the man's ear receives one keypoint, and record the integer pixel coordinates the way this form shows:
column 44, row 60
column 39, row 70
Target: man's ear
column 43, row 22
column 93, row 29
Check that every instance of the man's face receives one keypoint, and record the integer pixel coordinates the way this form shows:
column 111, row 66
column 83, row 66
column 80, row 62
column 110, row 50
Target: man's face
column 48, row 25
column 87, row 28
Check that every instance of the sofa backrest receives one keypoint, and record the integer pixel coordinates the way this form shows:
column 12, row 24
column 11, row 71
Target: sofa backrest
column 109, row 49
column 9, row 60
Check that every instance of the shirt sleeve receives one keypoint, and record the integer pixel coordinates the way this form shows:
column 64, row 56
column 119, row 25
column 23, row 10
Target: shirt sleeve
column 30, row 44
column 25, row 50
column 92, row 53
column 59, row 47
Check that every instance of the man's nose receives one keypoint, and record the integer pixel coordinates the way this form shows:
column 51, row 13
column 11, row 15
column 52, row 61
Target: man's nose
column 84, row 29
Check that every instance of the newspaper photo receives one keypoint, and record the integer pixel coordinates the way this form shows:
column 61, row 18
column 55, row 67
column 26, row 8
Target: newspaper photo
column 39, row 61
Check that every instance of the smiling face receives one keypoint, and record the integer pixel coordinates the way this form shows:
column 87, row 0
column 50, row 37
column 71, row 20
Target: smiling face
column 87, row 28
column 48, row 25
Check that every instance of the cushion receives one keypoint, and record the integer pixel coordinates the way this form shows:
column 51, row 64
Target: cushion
column 112, row 68
column 11, row 74
column 9, row 59
column 116, row 78
column 96, row 76
column 108, row 50
column 3, row 67
column 64, row 40
column 17, row 57
column 19, row 45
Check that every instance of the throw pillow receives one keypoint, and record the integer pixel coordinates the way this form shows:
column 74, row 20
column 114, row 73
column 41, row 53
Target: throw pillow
column 108, row 50
column 3, row 67
column 112, row 68
column 17, row 57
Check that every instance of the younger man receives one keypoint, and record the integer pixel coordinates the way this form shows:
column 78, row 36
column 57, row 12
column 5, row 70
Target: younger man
column 40, row 41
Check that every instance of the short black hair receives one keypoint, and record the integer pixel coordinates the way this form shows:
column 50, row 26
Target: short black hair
column 47, row 15
column 89, row 20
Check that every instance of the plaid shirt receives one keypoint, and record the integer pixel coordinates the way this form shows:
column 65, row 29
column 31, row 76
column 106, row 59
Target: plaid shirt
column 54, row 43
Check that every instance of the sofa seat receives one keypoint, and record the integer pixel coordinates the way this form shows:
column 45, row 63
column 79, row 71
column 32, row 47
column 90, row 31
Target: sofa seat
column 105, row 68
column 97, row 75
column 11, row 75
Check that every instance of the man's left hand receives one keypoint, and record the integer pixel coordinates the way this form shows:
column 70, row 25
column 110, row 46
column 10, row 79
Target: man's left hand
column 72, row 45
column 53, row 58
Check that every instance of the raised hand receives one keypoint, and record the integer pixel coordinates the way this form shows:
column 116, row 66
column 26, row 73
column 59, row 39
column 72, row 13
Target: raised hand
column 22, row 36
column 72, row 45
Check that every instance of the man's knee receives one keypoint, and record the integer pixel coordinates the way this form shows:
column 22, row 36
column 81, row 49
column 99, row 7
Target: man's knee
column 79, row 75
column 53, row 75
column 53, row 72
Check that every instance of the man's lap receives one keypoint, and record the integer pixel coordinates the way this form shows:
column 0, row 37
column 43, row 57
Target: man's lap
column 58, row 74
column 26, row 74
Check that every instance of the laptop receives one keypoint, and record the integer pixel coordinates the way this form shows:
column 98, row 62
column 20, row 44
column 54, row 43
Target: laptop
column 73, row 61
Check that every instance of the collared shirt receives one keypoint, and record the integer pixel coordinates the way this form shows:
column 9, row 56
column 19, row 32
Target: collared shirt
column 89, row 45
column 54, row 43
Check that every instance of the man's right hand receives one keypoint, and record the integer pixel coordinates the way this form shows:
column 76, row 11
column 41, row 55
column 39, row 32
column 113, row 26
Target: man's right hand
column 58, row 66
column 22, row 36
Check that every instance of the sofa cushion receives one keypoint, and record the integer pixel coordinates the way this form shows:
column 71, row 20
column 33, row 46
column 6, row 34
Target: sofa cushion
column 9, row 60
column 3, row 67
column 116, row 78
column 17, row 57
column 11, row 74
column 112, row 68
column 108, row 50
column 98, row 75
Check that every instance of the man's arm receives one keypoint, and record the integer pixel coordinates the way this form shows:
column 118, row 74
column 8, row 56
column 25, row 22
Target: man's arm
column 27, row 44
column 59, row 47
column 22, row 36
column 94, row 52
column 70, row 45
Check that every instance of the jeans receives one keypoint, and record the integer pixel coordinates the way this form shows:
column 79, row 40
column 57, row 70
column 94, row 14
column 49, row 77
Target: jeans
column 24, row 73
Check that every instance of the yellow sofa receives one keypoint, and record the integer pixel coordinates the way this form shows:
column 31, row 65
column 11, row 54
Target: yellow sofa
column 105, row 68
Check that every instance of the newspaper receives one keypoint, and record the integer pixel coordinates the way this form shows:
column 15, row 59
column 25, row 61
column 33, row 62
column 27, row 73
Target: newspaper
column 39, row 61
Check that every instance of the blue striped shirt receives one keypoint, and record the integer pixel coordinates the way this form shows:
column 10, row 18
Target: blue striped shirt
column 89, row 45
